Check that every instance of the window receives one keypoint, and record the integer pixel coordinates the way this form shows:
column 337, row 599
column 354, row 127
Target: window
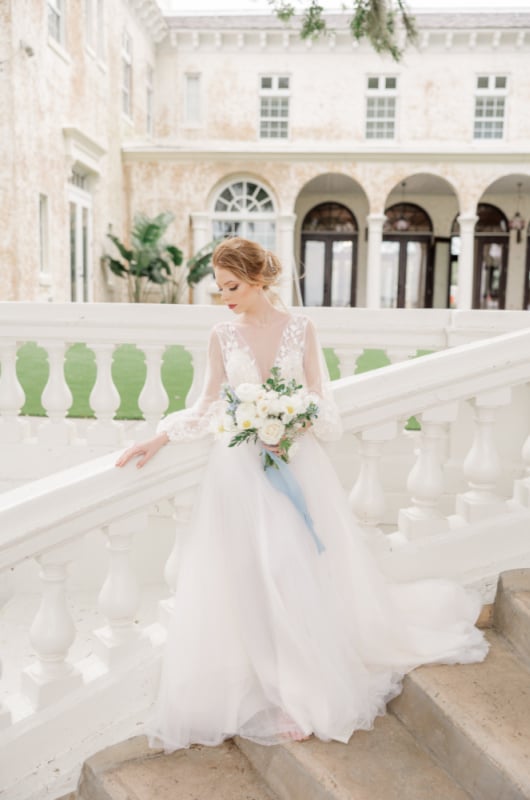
column 80, row 207
column 56, row 20
column 245, row 208
column 192, row 97
column 126, row 58
column 149, row 101
column 274, row 107
column 490, row 106
column 381, row 107
column 43, row 233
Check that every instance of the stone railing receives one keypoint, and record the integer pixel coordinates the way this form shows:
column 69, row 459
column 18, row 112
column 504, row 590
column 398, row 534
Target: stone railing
column 467, row 516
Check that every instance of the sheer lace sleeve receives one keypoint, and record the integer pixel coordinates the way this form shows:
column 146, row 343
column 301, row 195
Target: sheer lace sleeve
column 328, row 425
column 194, row 422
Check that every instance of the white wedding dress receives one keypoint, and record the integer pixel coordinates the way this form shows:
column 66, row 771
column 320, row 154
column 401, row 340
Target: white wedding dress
column 269, row 636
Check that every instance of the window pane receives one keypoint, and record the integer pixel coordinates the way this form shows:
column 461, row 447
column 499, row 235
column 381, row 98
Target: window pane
column 389, row 274
column 391, row 83
column 266, row 83
column 500, row 82
column 373, row 83
column 482, row 82
column 313, row 270
column 341, row 273
column 193, row 99
column 283, row 83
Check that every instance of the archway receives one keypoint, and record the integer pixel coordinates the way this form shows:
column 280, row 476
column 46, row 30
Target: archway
column 328, row 274
column 491, row 257
column 407, row 257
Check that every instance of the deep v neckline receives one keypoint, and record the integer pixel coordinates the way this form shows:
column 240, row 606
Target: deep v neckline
column 251, row 353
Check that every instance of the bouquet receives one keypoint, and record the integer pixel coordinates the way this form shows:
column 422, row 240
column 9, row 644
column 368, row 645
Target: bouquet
column 274, row 413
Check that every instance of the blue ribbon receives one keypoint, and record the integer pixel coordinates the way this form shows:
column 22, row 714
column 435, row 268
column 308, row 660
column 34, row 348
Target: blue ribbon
column 283, row 479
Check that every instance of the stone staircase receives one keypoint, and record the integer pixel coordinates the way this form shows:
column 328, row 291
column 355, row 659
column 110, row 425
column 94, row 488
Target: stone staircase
column 455, row 733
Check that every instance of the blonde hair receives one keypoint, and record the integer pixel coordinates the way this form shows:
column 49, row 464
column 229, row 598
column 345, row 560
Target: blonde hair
column 248, row 260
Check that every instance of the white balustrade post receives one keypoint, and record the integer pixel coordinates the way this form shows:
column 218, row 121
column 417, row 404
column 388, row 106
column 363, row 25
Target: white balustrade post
column 5, row 594
column 104, row 399
column 286, row 223
column 153, row 399
column 12, row 428
column 482, row 465
column 522, row 485
column 51, row 634
column 119, row 597
column 367, row 498
column 56, row 398
column 348, row 359
column 201, row 231
column 198, row 355
column 426, row 479
column 181, row 514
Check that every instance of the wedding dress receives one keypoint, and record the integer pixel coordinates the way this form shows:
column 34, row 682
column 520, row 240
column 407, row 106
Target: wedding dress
column 269, row 636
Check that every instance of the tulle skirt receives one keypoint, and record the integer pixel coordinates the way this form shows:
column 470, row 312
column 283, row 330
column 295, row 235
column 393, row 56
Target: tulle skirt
column 269, row 637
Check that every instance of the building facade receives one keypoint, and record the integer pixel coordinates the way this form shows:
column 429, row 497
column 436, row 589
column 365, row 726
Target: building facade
column 379, row 184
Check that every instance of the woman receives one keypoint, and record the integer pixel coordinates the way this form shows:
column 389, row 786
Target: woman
column 271, row 639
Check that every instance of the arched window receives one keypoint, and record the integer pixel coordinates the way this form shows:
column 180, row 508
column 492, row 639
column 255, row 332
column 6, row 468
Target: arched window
column 407, row 218
column 245, row 208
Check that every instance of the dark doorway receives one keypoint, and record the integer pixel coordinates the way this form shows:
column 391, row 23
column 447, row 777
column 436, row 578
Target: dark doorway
column 328, row 274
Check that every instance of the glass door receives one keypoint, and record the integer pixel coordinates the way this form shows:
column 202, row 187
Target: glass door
column 406, row 272
column 80, row 208
column 328, row 275
column 490, row 274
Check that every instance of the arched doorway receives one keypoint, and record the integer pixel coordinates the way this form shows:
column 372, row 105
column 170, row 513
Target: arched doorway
column 407, row 257
column 329, row 256
column 490, row 270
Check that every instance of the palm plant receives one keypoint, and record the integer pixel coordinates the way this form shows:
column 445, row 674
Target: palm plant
column 149, row 260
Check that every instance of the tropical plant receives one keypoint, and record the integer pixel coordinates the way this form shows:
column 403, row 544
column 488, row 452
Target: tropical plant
column 199, row 265
column 375, row 20
column 149, row 260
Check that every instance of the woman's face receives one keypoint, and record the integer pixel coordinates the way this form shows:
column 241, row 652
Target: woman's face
column 238, row 295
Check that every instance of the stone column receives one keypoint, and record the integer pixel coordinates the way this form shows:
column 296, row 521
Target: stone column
column 373, row 262
column 201, row 235
column 286, row 290
column 467, row 224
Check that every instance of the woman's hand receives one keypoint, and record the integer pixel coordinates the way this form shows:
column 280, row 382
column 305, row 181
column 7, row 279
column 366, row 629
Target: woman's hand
column 145, row 449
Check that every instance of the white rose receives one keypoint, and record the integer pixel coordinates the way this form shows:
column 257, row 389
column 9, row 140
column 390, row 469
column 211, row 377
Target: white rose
column 246, row 416
column 249, row 392
column 271, row 431
column 290, row 407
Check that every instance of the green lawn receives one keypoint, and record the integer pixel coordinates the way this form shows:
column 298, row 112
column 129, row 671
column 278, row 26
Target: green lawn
column 128, row 372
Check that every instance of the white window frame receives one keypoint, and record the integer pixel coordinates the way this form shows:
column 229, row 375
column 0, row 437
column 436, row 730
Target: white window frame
column 193, row 113
column 56, row 32
column 82, row 280
column 274, row 92
column 149, row 99
column 245, row 210
column 127, row 76
column 490, row 92
column 44, row 235
column 385, row 93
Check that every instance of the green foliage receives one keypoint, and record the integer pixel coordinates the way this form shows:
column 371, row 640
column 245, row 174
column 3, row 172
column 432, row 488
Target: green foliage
column 375, row 20
column 149, row 260
column 200, row 264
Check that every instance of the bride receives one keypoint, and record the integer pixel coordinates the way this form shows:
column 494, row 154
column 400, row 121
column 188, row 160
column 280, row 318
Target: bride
column 271, row 639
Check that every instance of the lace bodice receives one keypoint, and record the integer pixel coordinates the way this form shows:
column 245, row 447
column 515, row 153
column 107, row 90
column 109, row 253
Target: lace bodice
column 240, row 353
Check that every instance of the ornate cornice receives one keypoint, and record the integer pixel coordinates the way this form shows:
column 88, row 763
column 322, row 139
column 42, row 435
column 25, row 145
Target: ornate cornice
column 149, row 13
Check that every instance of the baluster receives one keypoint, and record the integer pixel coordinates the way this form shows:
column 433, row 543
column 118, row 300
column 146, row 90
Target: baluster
column 482, row 466
column 12, row 396
column 6, row 591
column 56, row 398
column 198, row 360
column 181, row 514
column 426, row 479
column 119, row 597
column 51, row 634
column 348, row 359
column 153, row 399
column 104, row 399
column 522, row 485
column 367, row 498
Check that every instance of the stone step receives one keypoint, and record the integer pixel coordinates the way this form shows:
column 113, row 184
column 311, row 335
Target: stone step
column 475, row 720
column 382, row 764
column 131, row 771
column 512, row 610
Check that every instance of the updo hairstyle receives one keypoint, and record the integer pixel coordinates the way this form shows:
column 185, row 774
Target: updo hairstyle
column 248, row 261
